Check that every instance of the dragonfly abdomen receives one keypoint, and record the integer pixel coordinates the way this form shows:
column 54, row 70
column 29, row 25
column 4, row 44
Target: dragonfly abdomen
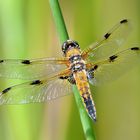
column 90, row 106
column 83, row 87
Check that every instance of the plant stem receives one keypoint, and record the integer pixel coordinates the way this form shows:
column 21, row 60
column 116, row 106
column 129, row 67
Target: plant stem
column 63, row 35
column 59, row 21
column 85, row 120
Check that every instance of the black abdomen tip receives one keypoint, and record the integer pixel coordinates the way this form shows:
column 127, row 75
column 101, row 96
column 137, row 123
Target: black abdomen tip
column 92, row 112
column 90, row 108
column 93, row 117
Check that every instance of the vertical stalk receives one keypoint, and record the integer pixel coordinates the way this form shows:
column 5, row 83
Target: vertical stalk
column 59, row 21
column 63, row 36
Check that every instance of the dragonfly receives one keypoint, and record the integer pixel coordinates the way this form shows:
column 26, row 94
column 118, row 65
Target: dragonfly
column 50, row 78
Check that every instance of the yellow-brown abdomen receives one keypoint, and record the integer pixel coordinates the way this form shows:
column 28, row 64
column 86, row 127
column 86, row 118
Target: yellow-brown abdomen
column 84, row 89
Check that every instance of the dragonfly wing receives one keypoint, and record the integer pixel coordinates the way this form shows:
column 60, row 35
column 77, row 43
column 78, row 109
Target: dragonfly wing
column 114, row 66
column 110, row 42
column 36, row 91
column 31, row 69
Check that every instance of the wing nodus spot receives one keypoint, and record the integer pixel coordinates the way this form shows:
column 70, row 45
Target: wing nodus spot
column 63, row 77
column 6, row 90
column 36, row 82
column 26, row 62
column 112, row 58
column 107, row 35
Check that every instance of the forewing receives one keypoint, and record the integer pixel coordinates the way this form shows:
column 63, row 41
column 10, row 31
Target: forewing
column 35, row 91
column 110, row 42
column 114, row 66
column 31, row 69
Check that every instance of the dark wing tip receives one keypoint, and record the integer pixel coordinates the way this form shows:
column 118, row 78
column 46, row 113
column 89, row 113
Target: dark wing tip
column 6, row 90
column 123, row 21
column 36, row 82
column 135, row 48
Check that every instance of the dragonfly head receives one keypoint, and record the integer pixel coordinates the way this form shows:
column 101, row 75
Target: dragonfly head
column 67, row 45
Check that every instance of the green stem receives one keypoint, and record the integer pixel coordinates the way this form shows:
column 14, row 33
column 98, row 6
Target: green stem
column 86, row 121
column 59, row 21
column 63, row 35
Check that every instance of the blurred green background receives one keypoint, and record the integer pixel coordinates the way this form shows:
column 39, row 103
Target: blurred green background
column 27, row 30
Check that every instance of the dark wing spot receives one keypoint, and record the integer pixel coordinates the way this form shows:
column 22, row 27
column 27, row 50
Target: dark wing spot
column 71, row 79
column 112, row 58
column 95, row 67
column 26, row 62
column 135, row 48
column 63, row 77
column 36, row 82
column 6, row 90
column 107, row 35
column 1, row 61
column 123, row 21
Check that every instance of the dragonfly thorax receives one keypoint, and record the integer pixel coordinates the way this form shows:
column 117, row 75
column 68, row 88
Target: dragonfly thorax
column 75, row 58
column 69, row 44
column 79, row 66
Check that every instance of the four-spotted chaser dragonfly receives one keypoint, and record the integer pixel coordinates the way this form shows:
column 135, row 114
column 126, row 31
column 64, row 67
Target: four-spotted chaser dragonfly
column 53, row 77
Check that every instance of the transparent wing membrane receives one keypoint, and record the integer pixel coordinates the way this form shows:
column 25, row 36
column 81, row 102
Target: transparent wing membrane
column 31, row 69
column 35, row 91
column 110, row 42
column 48, row 76
column 111, row 68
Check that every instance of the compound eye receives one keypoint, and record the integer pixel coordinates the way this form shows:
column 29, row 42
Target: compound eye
column 73, row 43
column 76, row 43
column 69, row 44
column 64, row 47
